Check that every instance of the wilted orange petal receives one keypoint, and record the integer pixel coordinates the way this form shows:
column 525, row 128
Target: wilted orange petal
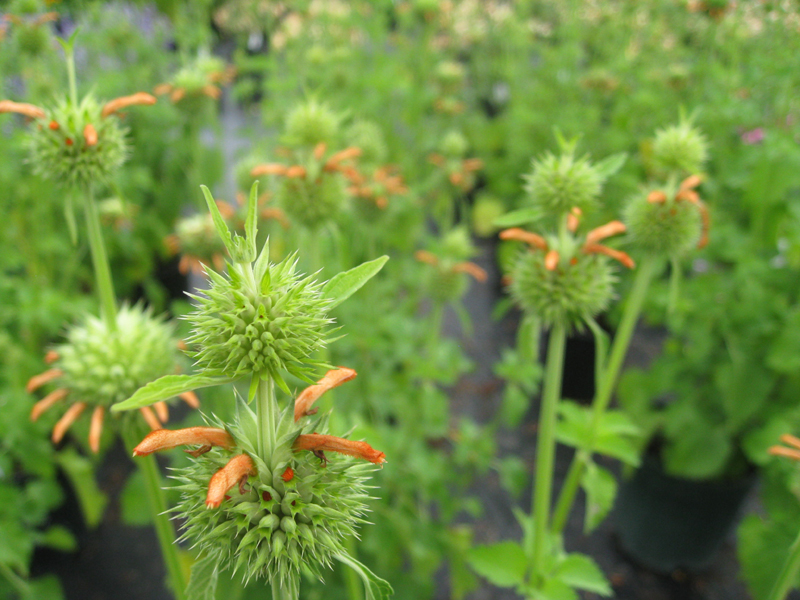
column 622, row 257
column 150, row 417
column 190, row 398
column 268, row 169
column 469, row 267
column 331, row 379
column 426, row 257
column 96, row 428
column 319, row 150
column 177, row 95
column 23, row 108
column 520, row 235
column 51, row 357
column 64, row 423
column 604, row 231
column 551, row 260
column 288, row 474
column 317, row 442
column 296, row 171
column 228, row 476
column 90, row 134
column 162, row 412
column 45, row 403
column 574, row 219
column 166, row 439
column 212, row 91
column 787, row 452
column 133, row 100
column 39, row 380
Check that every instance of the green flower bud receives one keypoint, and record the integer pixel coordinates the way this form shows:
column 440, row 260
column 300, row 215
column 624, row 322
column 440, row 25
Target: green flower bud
column 261, row 318
column 77, row 145
column 680, row 149
column 311, row 123
column 559, row 183
column 567, row 295
column 275, row 526
column 102, row 367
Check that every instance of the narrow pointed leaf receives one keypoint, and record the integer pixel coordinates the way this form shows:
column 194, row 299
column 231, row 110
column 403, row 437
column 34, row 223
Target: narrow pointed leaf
column 219, row 221
column 375, row 588
column 167, row 387
column 251, row 223
column 344, row 285
column 610, row 165
column 203, row 579
column 522, row 216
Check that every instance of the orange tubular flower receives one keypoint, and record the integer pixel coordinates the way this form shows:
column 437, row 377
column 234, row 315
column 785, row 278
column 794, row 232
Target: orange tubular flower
column 686, row 191
column 90, row 135
column 268, row 169
column 236, row 472
column 319, row 443
column 165, row 439
column 139, row 98
column 478, row 273
column 331, row 379
column 792, row 452
column 22, row 108
column 533, row 240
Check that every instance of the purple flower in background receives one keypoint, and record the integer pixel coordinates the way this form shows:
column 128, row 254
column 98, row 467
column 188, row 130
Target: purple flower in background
column 753, row 136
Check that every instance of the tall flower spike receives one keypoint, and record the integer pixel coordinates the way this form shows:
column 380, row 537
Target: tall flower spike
column 311, row 394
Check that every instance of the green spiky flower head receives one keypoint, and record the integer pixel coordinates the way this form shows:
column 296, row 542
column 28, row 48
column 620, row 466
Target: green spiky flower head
column 311, row 123
column 454, row 144
column 669, row 228
column 450, row 75
column 102, row 367
column 680, row 149
column 260, row 317
column 313, row 200
column 293, row 515
column 557, row 184
column 76, row 144
column 368, row 136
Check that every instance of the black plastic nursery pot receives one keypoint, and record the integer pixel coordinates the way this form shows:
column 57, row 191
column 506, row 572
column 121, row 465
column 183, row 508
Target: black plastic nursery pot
column 666, row 523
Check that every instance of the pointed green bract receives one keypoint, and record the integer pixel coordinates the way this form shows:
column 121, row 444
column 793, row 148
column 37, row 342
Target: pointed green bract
column 344, row 285
column 168, row 387
column 523, row 216
column 219, row 221
column 375, row 588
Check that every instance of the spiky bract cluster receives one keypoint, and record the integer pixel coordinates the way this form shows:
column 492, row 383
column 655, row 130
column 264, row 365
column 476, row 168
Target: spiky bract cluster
column 368, row 136
column 102, row 367
column 669, row 229
column 285, row 521
column 454, row 144
column 61, row 150
column 557, row 184
column 680, row 149
column 262, row 318
column 568, row 295
column 311, row 123
column 313, row 201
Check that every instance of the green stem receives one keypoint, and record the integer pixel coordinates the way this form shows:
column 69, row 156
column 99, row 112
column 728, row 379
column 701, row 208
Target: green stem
column 267, row 414
column 17, row 582
column 73, row 84
column 284, row 592
column 607, row 382
column 435, row 318
column 354, row 591
column 788, row 574
column 545, row 448
column 102, row 272
column 161, row 521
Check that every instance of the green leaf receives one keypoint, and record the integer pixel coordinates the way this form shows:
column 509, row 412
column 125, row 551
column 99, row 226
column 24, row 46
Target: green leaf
column 375, row 588
column 59, row 538
column 514, row 475
column 610, row 165
column 203, row 579
column 554, row 590
column 134, row 507
column 219, row 221
column 80, row 472
column 168, row 387
column 522, row 216
column 762, row 549
column 251, row 222
column 581, row 572
column 699, row 453
column 344, row 285
column 601, row 489
column 504, row 564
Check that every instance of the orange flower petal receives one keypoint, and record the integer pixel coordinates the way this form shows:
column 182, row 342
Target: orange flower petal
column 23, row 108
column 331, row 379
column 787, row 452
column 48, row 401
column 436, row 159
column 342, row 155
column 268, row 169
column 472, row 164
column 426, row 257
column 66, row 421
column 574, row 219
column 150, row 417
column 471, row 268
column 317, row 442
column 520, row 235
column 790, row 440
column 166, row 439
column 691, row 182
column 162, row 412
column 162, row 88
column 296, row 171
column 51, row 357
column 551, row 260
column 212, row 91
column 139, row 98
column 604, row 231
column 319, row 150
column 90, row 134
column 190, row 398
column 37, row 381
column 96, row 428
column 656, row 197
column 238, row 468
column 622, row 257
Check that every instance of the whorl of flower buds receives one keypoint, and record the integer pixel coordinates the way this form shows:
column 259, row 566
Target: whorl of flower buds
column 680, row 150
column 668, row 226
column 557, row 184
column 449, row 279
column 311, row 123
column 565, row 282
